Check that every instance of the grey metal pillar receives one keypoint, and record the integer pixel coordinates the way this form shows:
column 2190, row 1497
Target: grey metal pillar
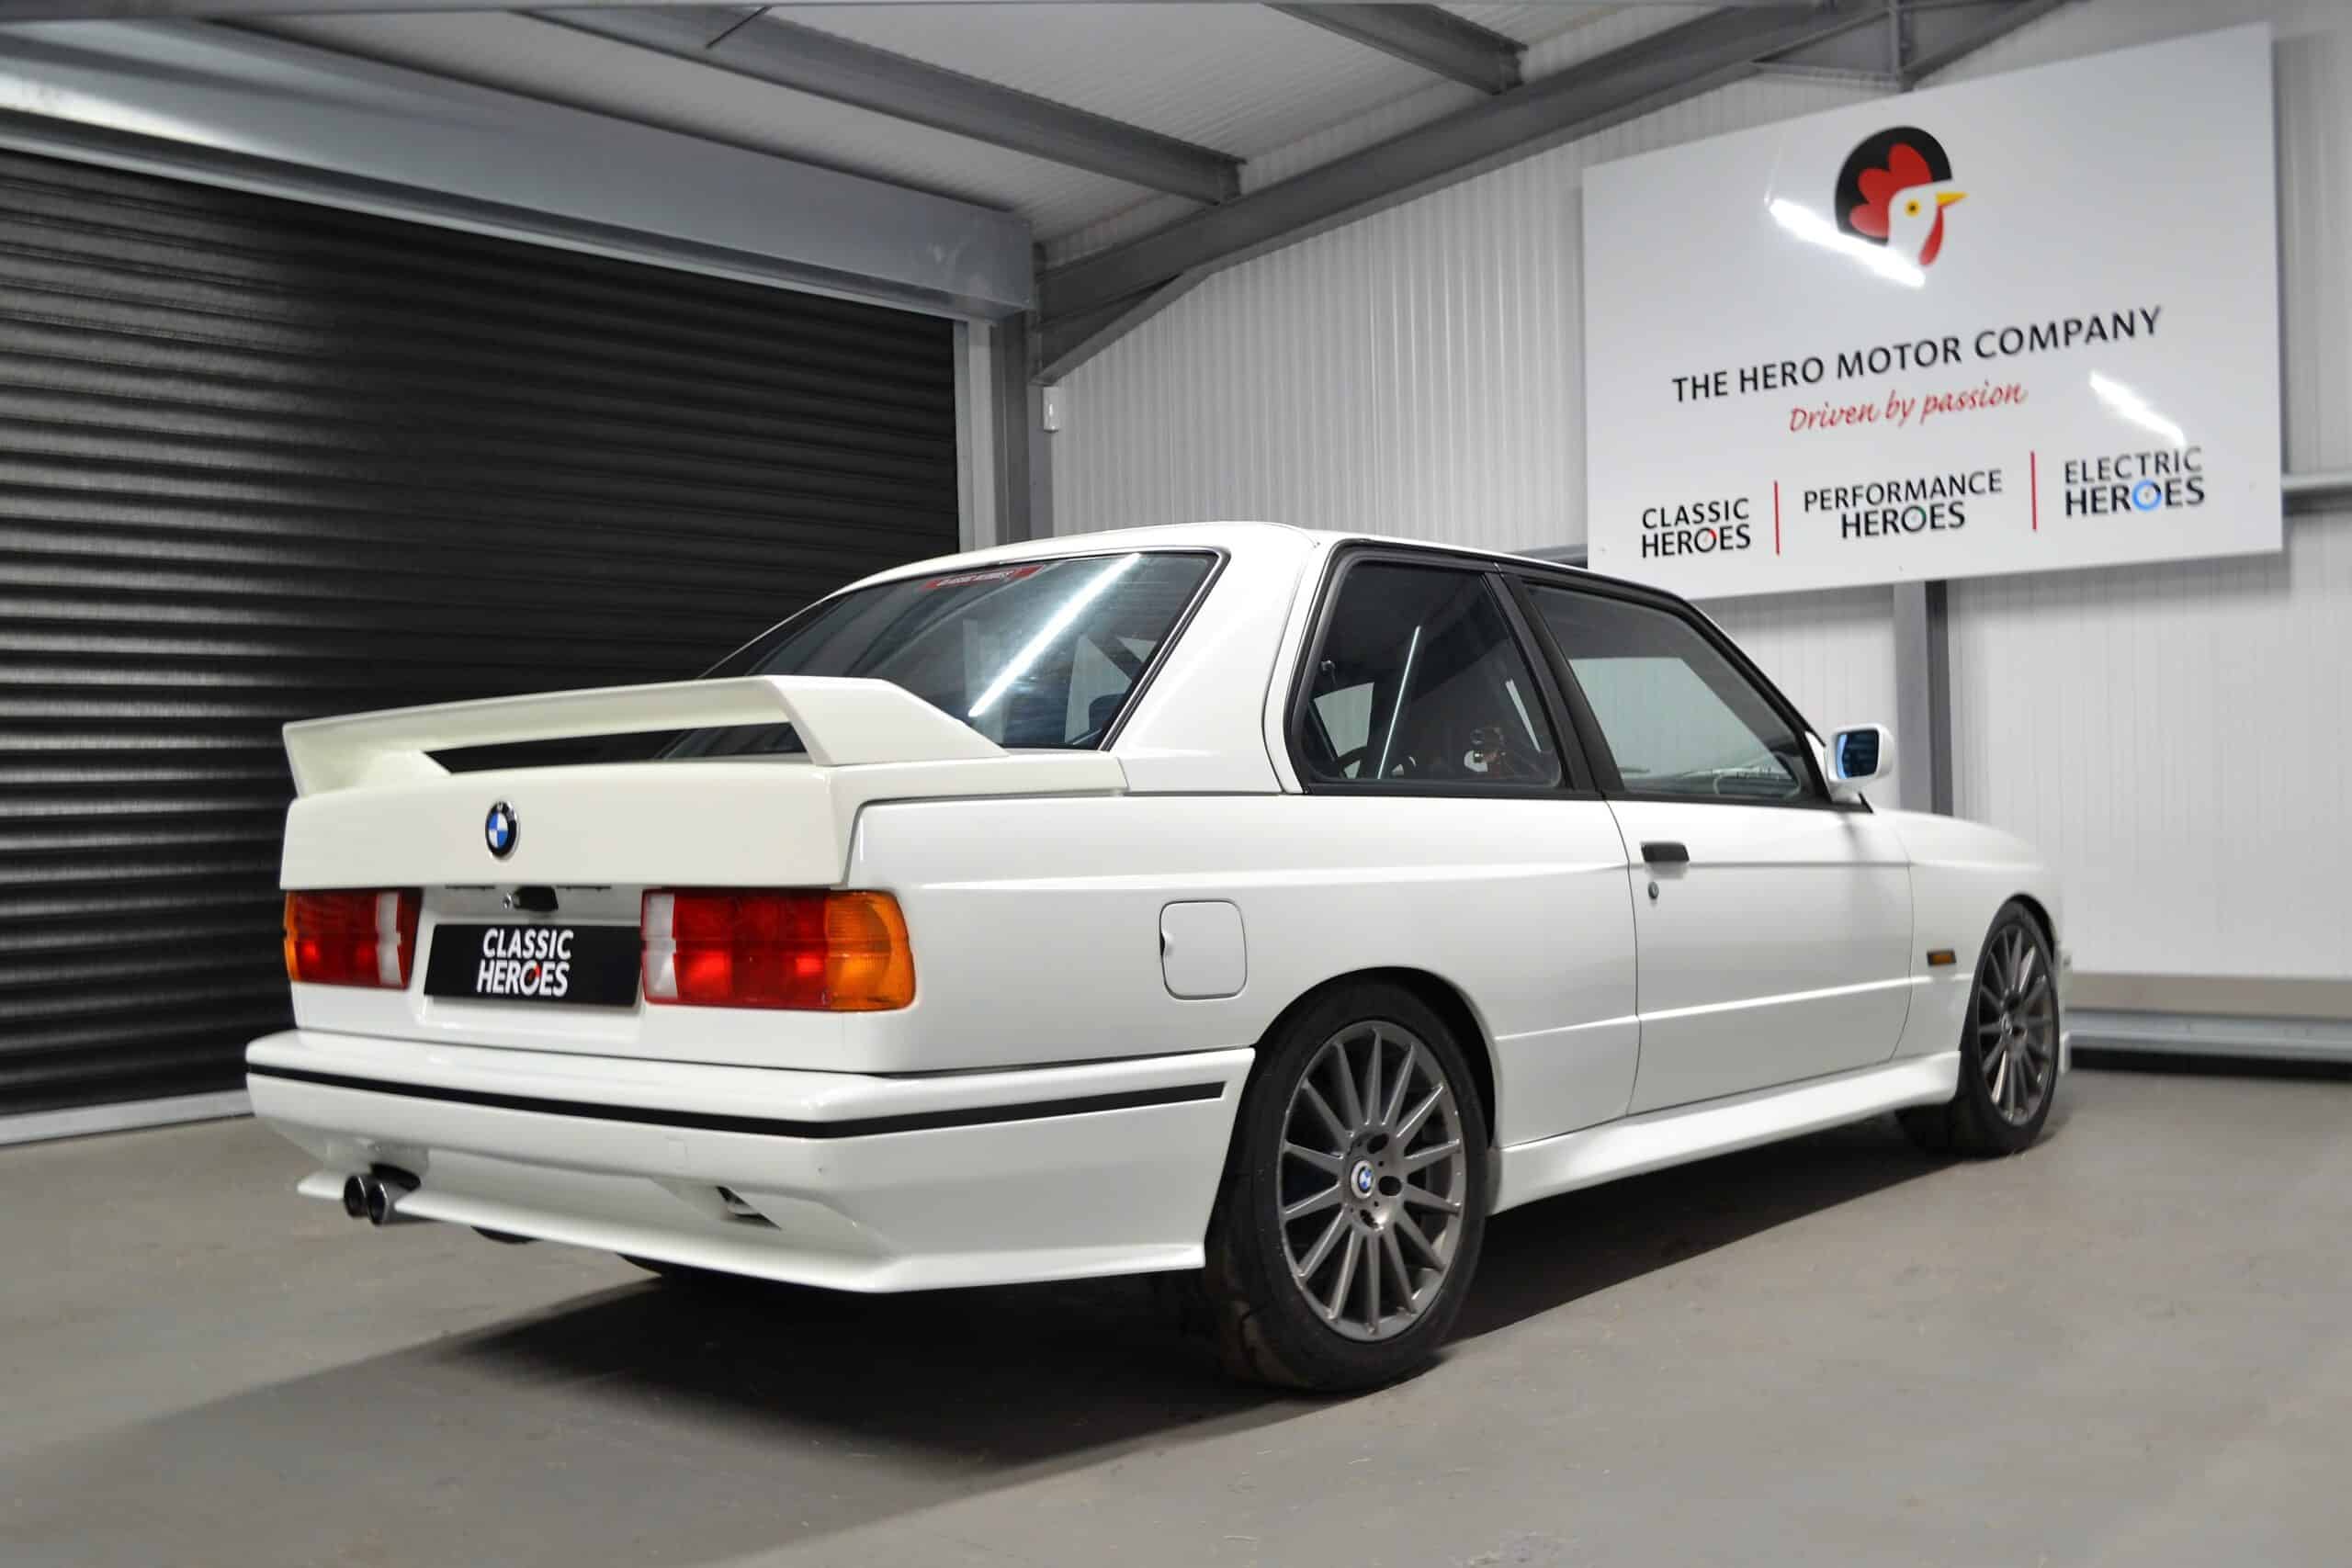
column 1038, row 506
column 1016, row 433
column 1922, row 697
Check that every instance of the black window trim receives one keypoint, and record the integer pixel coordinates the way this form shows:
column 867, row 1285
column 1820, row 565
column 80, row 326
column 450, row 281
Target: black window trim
column 1526, row 576
column 1217, row 556
column 1578, row 777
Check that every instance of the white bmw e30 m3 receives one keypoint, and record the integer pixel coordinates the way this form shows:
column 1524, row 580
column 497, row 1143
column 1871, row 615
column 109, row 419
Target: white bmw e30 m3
column 1230, row 899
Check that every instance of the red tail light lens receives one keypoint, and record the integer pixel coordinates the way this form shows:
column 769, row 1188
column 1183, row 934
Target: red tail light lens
column 814, row 951
column 353, row 939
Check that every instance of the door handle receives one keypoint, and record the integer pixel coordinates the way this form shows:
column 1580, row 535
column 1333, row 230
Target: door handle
column 1665, row 852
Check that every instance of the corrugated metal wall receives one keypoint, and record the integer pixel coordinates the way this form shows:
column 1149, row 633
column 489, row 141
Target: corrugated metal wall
column 2175, row 737
column 1420, row 373
column 261, row 461
column 1833, row 653
column 1416, row 373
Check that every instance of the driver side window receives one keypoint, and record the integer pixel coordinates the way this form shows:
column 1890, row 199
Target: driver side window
column 1419, row 682
column 1679, row 717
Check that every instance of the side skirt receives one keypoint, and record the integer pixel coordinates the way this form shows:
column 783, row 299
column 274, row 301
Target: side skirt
column 1684, row 1133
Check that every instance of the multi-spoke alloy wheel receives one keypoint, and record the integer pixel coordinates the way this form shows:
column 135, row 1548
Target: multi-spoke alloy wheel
column 1372, row 1177
column 1355, row 1199
column 2017, row 1025
column 2008, row 1048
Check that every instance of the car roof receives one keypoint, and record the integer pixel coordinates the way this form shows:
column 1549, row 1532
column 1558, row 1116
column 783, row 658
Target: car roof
column 1235, row 537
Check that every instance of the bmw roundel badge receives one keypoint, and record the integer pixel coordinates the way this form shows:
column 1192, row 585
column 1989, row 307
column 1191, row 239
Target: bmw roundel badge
column 500, row 831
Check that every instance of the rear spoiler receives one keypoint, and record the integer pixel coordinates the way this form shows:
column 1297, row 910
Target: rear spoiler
column 841, row 722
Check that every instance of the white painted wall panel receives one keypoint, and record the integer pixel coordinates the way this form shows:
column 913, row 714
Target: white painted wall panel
column 1415, row 373
column 1419, row 373
column 1832, row 653
column 2311, row 54
column 2177, row 738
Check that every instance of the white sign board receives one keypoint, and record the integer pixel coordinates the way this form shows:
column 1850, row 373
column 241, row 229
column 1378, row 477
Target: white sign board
column 2017, row 324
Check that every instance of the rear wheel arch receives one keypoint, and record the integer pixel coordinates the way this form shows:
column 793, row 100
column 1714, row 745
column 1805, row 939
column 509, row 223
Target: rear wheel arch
column 1437, row 994
column 1279, row 1304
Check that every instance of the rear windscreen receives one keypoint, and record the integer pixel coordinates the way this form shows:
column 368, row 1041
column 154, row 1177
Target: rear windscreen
column 1031, row 654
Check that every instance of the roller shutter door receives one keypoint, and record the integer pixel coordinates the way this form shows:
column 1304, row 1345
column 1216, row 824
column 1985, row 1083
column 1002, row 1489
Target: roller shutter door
column 261, row 461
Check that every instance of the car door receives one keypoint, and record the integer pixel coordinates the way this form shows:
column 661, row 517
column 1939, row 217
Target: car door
column 1772, row 925
column 1428, row 735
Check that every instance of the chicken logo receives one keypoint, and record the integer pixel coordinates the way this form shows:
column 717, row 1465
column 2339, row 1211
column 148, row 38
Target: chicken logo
column 1892, row 192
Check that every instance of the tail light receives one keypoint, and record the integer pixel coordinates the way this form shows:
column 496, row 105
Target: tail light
column 814, row 951
column 352, row 938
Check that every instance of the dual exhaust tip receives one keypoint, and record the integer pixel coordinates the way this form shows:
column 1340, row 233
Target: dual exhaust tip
column 376, row 1196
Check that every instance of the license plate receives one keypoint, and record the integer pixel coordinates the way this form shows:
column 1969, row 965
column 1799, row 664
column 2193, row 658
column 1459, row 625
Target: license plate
column 582, row 965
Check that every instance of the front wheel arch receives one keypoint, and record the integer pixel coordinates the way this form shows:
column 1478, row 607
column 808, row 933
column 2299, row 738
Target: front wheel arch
column 1972, row 1122
column 2040, row 914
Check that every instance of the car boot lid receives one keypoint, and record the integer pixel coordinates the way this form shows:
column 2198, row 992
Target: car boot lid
column 377, row 808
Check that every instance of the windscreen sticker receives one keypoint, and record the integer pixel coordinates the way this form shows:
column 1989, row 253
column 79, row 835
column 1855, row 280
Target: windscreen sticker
column 997, row 574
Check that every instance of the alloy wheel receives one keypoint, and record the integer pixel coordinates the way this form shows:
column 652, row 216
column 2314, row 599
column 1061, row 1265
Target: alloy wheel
column 2017, row 1025
column 1373, row 1179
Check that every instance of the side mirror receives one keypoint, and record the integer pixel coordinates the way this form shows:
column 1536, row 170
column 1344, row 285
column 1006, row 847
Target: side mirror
column 1863, row 754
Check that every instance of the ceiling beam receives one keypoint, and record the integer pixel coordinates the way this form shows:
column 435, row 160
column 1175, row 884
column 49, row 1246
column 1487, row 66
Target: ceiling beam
column 1864, row 55
column 1683, row 60
column 1061, row 346
column 1981, row 25
column 230, row 10
column 808, row 61
column 1435, row 40
column 235, row 109
column 14, row 11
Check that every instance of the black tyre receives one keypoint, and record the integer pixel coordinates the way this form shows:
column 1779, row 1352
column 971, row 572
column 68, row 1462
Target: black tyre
column 2008, row 1047
column 1347, row 1227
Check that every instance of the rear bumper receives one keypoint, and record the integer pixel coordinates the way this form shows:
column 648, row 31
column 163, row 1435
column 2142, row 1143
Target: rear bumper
column 855, row 1182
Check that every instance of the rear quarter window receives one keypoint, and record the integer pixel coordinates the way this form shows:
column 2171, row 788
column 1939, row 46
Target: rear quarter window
column 1042, row 654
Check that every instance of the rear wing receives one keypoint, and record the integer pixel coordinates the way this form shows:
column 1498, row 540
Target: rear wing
column 841, row 722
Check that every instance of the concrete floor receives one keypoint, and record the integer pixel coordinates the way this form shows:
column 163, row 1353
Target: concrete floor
column 2131, row 1345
